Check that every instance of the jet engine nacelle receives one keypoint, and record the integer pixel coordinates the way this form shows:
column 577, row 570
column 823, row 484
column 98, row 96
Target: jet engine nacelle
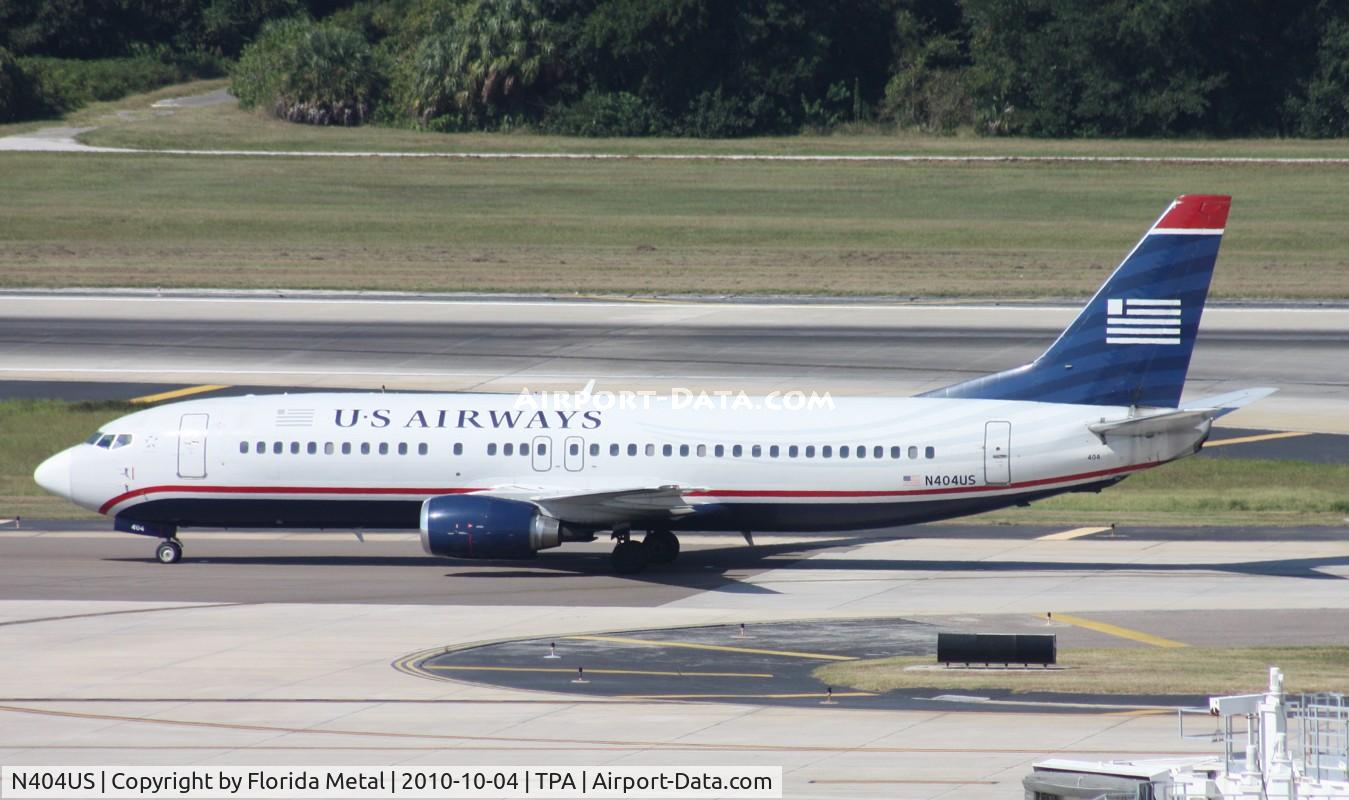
column 474, row 526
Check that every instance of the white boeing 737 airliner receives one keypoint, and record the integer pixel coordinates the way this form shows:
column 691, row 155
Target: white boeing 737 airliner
column 485, row 476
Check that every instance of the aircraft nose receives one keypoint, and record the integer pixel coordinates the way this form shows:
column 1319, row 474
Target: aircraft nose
column 54, row 474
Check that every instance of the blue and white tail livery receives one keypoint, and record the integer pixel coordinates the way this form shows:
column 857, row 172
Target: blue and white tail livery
column 1131, row 344
column 482, row 478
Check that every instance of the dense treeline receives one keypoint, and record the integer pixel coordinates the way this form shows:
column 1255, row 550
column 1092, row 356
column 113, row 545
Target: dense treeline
column 738, row 67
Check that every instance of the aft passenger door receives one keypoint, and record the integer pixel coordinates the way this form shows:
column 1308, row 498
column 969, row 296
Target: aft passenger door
column 998, row 453
column 192, row 445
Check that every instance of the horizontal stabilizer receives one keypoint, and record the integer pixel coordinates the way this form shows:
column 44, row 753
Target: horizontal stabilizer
column 1165, row 422
column 1199, row 412
column 1227, row 403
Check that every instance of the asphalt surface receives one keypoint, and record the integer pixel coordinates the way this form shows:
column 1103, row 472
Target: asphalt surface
column 84, row 560
column 1313, row 361
column 769, row 664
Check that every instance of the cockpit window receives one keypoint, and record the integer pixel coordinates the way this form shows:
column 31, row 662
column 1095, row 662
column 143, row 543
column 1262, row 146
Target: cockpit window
column 122, row 440
column 105, row 441
column 93, row 439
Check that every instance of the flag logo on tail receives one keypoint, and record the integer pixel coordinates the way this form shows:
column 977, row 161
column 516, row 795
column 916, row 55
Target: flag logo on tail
column 1137, row 321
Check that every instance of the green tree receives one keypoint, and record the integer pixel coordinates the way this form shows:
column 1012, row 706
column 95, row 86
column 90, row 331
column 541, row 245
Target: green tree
column 1323, row 110
column 309, row 72
column 493, row 62
column 1111, row 68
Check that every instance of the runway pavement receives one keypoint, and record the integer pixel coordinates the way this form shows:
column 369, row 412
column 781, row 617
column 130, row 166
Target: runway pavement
column 491, row 345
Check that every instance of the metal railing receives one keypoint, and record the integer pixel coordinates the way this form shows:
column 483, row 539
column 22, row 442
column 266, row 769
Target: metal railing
column 1322, row 743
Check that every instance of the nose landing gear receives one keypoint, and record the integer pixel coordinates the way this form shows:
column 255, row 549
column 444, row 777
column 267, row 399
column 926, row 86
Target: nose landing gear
column 169, row 551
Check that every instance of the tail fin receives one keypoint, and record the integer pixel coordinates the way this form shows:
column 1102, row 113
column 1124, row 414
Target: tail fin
column 1131, row 344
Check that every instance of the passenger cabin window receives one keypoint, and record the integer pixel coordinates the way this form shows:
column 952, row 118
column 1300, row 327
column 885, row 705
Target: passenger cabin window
column 277, row 447
column 422, row 449
column 613, row 450
column 507, row 449
column 719, row 451
column 365, row 448
column 737, row 450
column 756, row 451
column 667, row 450
column 632, row 449
column 930, row 452
column 773, row 451
column 861, row 451
column 458, row 448
column 827, row 451
column 650, row 450
column 492, row 449
column 684, row 450
column 913, row 451
column 702, row 450
column 346, row 448
column 793, row 451
column 594, row 449
column 295, row 448
column 328, row 448
column 243, row 447
column 574, row 449
column 843, row 451
column 384, row 448
column 894, row 452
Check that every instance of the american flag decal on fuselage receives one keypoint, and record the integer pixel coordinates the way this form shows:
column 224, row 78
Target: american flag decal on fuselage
column 1136, row 321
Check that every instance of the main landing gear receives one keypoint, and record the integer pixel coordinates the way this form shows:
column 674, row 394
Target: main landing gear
column 169, row 551
column 658, row 547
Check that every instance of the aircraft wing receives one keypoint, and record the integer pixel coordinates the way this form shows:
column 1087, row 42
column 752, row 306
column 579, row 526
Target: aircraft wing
column 602, row 507
column 1198, row 412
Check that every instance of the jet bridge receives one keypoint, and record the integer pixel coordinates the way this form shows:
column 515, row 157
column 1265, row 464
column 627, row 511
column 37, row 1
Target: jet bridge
column 1274, row 747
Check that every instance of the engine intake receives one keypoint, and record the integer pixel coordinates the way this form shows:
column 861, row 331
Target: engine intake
column 474, row 526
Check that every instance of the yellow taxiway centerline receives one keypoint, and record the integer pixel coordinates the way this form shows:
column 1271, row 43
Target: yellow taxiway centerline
column 1116, row 630
column 176, row 393
column 572, row 671
column 717, row 647
column 1075, row 533
column 1263, row 437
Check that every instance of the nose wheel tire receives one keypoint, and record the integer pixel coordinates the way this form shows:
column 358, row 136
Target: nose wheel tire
column 662, row 547
column 629, row 557
column 169, row 551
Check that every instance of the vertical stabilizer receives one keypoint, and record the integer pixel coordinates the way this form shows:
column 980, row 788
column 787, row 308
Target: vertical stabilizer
column 1131, row 344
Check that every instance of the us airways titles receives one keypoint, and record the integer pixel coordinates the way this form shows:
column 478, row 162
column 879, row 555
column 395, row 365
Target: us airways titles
column 470, row 418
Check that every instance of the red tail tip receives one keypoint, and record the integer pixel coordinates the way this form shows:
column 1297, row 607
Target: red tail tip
column 1197, row 211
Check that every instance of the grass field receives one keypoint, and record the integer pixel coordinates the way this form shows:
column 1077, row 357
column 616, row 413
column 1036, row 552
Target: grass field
column 1015, row 230
column 1124, row 670
column 1255, row 492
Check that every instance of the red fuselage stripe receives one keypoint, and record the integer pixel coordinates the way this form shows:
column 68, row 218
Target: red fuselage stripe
column 432, row 491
